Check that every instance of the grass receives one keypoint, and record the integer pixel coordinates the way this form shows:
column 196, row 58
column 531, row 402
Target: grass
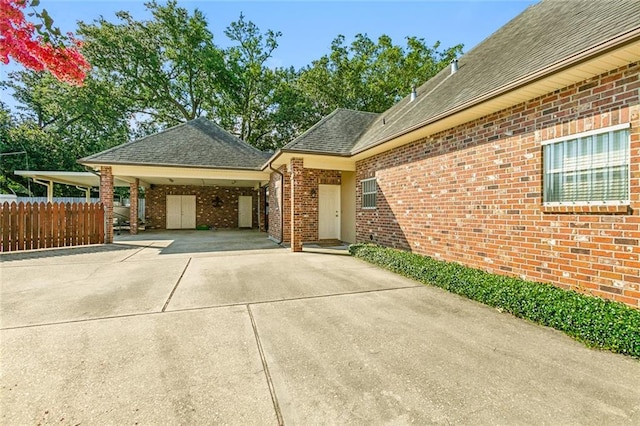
column 596, row 322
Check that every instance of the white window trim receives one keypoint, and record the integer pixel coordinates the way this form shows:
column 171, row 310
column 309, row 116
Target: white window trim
column 363, row 193
column 588, row 133
column 593, row 132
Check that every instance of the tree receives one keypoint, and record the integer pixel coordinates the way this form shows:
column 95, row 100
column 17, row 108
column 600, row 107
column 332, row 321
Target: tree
column 168, row 67
column 39, row 47
column 55, row 124
column 246, row 107
column 371, row 76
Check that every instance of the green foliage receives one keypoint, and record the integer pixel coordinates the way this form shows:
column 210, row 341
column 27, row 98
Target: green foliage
column 55, row 125
column 596, row 322
column 370, row 76
column 246, row 107
column 150, row 74
column 167, row 68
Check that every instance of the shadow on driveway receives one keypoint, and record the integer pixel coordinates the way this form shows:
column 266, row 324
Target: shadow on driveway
column 62, row 252
column 190, row 241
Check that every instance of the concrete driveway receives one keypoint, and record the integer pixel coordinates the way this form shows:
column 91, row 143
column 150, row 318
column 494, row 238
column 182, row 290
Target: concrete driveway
column 188, row 328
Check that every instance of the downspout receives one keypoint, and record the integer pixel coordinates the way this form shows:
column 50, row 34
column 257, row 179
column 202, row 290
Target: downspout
column 49, row 185
column 282, row 202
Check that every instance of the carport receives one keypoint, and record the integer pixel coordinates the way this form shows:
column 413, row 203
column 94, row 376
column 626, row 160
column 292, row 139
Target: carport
column 195, row 175
column 84, row 181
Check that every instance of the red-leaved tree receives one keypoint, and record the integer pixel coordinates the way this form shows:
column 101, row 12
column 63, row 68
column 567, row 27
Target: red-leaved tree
column 37, row 48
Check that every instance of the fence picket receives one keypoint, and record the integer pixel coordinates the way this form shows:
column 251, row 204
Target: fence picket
column 20, row 219
column 6, row 212
column 27, row 226
column 49, row 227
column 42, row 226
column 28, row 234
column 100, row 225
column 81, row 231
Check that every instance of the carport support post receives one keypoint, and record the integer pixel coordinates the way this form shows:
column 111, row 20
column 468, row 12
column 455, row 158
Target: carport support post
column 133, row 207
column 106, row 198
column 296, row 167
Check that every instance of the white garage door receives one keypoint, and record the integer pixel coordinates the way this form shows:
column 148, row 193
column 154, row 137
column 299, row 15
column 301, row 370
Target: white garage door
column 181, row 211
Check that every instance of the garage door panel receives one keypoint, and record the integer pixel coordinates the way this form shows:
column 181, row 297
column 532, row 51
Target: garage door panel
column 181, row 211
column 188, row 211
column 174, row 211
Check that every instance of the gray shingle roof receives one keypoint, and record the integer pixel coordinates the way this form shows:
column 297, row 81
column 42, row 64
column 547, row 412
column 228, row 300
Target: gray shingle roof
column 544, row 34
column 336, row 133
column 196, row 143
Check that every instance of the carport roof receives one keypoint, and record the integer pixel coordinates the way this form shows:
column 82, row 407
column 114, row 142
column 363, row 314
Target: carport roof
column 196, row 143
column 82, row 179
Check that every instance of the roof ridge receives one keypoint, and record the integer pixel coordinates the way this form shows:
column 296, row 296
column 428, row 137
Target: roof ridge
column 312, row 128
column 211, row 122
column 530, row 45
column 113, row 148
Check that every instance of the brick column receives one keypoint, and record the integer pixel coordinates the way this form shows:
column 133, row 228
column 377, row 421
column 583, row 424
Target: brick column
column 133, row 206
column 262, row 208
column 296, row 168
column 106, row 198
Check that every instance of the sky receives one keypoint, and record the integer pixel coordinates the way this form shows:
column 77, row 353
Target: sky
column 308, row 27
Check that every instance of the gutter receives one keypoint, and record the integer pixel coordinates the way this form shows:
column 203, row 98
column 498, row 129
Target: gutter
column 181, row 166
column 578, row 58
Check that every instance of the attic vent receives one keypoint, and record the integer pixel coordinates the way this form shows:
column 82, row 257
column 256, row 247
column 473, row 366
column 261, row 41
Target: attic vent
column 454, row 66
column 414, row 94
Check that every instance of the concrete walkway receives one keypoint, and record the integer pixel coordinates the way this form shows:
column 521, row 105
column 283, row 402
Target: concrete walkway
column 208, row 327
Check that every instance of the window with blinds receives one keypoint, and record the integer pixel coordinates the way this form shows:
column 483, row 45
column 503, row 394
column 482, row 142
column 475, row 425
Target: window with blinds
column 369, row 191
column 589, row 168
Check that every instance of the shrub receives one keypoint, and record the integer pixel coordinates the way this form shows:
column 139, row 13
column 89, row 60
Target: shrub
column 596, row 322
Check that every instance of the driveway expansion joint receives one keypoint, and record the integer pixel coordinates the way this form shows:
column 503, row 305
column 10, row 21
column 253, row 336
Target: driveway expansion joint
column 164, row 308
column 136, row 252
column 297, row 298
column 265, row 367
column 201, row 308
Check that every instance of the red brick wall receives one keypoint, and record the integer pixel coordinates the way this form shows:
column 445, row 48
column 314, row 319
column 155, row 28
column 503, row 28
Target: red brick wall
column 263, row 209
column 224, row 216
column 305, row 200
column 106, row 198
column 133, row 207
column 474, row 195
column 276, row 210
column 302, row 214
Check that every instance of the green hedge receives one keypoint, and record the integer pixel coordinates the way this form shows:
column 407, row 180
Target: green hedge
column 596, row 322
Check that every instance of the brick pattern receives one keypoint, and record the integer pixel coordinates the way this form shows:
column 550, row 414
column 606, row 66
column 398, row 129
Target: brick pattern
column 263, row 209
column 473, row 194
column 300, row 204
column 279, row 205
column 133, row 204
column 304, row 196
column 223, row 214
column 106, row 198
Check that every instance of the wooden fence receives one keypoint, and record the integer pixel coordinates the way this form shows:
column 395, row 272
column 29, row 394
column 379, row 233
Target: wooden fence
column 27, row 226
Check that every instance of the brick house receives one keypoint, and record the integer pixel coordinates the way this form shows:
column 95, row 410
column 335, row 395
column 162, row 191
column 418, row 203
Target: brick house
column 522, row 158
column 194, row 174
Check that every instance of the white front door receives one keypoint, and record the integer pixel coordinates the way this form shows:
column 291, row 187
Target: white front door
column 245, row 219
column 328, row 212
column 181, row 211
